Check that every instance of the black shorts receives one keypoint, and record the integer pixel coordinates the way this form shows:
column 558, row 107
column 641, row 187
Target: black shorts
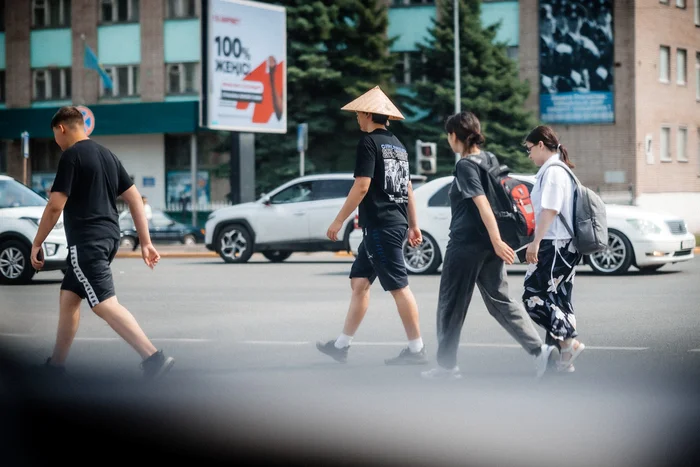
column 381, row 255
column 89, row 273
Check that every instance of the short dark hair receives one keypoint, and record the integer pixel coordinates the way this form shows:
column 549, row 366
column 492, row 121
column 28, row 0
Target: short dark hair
column 380, row 119
column 68, row 115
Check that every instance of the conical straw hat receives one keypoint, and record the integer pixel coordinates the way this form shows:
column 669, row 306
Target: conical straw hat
column 375, row 101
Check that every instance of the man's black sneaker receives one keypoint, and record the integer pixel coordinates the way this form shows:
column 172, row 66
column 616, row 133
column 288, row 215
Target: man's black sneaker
column 406, row 357
column 329, row 348
column 156, row 365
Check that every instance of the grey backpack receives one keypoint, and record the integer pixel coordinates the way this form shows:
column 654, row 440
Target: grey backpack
column 590, row 229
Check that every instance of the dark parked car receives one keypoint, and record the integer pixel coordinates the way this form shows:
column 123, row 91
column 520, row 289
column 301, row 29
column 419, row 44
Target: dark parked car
column 163, row 229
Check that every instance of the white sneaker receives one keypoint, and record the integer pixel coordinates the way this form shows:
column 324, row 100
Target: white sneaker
column 442, row 373
column 542, row 360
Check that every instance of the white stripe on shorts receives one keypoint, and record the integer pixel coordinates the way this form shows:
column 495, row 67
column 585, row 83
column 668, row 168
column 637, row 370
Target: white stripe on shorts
column 90, row 292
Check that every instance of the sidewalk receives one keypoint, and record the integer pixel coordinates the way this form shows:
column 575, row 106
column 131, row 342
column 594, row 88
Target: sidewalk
column 185, row 251
column 200, row 251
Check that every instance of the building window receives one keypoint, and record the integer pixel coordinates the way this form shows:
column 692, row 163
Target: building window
column 664, row 64
column 681, row 66
column 407, row 68
column 697, row 76
column 45, row 154
column 2, row 86
column 50, row 13
column 412, row 2
column 665, row 2
column 180, row 9
column 697, row 12
column 512, row 52
column 182, row 78
column 125, row 81
column 119, row 11
column 665, row 145
column 680, row 3
column 51, row 84
column 682, row 145
column 2, row 15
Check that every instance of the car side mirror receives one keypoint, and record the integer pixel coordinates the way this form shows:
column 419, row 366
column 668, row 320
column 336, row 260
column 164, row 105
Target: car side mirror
column 266, row 201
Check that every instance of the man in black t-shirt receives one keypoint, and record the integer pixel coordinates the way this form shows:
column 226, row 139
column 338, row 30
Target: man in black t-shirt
column 387, row 212
column 88, row 181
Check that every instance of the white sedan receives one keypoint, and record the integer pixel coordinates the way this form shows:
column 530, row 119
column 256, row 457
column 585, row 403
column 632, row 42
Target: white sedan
column 637, row 237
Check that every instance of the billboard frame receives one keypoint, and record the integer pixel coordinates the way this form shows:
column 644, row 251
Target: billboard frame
column 205, row 75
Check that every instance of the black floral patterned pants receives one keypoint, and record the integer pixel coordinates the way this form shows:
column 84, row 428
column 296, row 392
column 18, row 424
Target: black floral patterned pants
column 548, row 289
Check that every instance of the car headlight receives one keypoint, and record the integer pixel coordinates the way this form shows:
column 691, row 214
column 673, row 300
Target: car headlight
column 50, row 248
column 35, row 221
column 645, row 227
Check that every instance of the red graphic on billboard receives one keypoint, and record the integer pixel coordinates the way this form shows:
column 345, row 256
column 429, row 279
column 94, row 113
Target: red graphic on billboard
column 273, row 98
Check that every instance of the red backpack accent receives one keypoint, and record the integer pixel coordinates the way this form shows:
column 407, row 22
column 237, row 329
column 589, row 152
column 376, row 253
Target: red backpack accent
column 520, row 193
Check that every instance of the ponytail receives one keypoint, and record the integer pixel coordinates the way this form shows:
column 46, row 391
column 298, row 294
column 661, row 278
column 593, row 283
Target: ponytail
column 565, row 157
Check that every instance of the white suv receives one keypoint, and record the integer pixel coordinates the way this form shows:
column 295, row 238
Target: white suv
column 293, row 217
column 20, row 212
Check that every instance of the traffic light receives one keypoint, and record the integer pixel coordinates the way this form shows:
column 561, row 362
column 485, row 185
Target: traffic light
column 426, row 157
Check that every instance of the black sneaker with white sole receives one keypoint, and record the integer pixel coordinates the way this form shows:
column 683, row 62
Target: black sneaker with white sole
column 329, row 348
column 406, row 357
column 156, row 365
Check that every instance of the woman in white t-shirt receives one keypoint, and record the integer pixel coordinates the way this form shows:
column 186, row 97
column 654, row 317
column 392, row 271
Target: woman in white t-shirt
column 552, row 256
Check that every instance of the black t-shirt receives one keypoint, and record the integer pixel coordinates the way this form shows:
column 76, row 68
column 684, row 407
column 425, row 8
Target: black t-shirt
column 92, row 178
column 381, row 156
column 466, row 225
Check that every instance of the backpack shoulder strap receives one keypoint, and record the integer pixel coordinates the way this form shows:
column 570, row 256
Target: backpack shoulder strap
column 565, row 167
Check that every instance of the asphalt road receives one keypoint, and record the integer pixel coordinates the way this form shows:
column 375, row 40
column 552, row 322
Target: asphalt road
column 243, row 338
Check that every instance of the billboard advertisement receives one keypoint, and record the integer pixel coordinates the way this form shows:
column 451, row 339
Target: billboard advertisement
column 576, row 61
column 244, row 67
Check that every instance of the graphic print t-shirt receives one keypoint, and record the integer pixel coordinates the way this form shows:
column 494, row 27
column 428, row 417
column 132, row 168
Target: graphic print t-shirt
column 381, row 156
column 92, row 178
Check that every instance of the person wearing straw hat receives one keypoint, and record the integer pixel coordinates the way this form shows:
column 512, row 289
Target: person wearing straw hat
column 387, row 215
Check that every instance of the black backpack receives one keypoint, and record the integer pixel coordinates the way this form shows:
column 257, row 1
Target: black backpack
column 510, row 200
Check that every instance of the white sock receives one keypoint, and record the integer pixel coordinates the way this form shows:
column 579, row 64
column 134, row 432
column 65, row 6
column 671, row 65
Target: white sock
column 416, row 345
column 343, row 341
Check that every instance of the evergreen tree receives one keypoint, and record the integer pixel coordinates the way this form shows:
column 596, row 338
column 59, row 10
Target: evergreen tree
column 336, row 50
column 490, row 87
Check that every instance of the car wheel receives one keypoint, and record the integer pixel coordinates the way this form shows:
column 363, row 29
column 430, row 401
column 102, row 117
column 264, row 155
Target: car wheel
column 649, row 269
column 424, row 258
column 15, row 263
column 616, row 258
column 277, row 256
column 127, row 242
column 189, row 240
column 235, row 244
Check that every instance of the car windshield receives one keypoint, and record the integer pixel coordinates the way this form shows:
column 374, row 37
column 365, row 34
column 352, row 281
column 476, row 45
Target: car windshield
column 15, row 195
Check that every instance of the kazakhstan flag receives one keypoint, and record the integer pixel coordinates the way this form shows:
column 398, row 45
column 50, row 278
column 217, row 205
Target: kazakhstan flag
column 92, row 63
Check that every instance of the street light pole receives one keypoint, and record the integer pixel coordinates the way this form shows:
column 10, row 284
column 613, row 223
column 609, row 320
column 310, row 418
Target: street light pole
column 458, row 93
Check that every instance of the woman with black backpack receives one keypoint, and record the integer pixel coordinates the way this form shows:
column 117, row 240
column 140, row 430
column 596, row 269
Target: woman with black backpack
column 552, row 255
column 476, row 256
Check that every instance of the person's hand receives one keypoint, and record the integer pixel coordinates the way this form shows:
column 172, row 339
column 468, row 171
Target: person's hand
column 415, row 237
column 37, row 257
column 334, row 229
column 533, row 250
column 504, row 252
column 150, row 255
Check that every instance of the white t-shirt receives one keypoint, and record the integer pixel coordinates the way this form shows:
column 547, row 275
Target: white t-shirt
column 148, row 211
column 554, row 190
